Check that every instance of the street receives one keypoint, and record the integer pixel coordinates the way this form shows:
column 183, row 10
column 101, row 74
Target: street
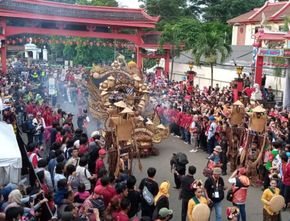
column 161, row 162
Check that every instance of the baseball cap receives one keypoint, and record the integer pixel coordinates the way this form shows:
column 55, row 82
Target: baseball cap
column 102, row 151
column 211, row 118
column 163, row 212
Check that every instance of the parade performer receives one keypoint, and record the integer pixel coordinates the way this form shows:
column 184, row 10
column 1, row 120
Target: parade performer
column 269, row 194
column 194, row 201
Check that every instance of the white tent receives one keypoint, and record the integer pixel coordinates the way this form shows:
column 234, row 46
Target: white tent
column 10, row 156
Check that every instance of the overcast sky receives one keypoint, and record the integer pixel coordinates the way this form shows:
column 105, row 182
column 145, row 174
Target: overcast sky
column 129, row 3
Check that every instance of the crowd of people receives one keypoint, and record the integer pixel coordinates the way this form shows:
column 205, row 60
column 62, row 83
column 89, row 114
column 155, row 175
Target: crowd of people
column 69, row 179
column 200, row 117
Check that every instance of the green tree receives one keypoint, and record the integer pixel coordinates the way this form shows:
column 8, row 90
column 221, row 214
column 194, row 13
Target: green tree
column 168, row 10
column 178, row 35
column 209, row 43
column 222, row 10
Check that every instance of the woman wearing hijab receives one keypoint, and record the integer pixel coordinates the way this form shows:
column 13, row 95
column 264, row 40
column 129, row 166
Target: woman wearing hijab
column 15, row 199
column 161, row 200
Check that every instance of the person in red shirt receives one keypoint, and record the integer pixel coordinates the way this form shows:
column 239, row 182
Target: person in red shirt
column 84, row 147
column 47, row 116
column 32, row 154
column 100, row 161
column 122, row 215
column 286, row 178
column 188, row 121
column 57, row 116
column 29, row 108
column 105, row 190
column 182, row 123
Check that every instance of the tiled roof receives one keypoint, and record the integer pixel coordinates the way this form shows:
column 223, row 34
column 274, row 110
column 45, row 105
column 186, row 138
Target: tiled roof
column 68, row 10
column 242, row 18
column 272, row 11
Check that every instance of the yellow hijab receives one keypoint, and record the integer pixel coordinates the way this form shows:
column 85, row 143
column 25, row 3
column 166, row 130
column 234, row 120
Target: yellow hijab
column 163, row 191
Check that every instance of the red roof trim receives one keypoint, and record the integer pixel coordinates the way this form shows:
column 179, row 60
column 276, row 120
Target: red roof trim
column 272, row 36
column 280, row 11
column 259, row 11
column 11, row 30
column 251, row 16
column 77, row 6
column 156, row 19
column 89, row 8
column 14, row 14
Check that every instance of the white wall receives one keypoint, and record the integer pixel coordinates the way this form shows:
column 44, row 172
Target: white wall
column 221, row 76
column 234, row 35
column 250, row 31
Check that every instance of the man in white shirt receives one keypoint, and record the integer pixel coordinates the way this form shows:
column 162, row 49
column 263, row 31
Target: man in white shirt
column 47, row 177
column 59, row 170
column 193, row 128
column 39, row 124
column 211, row 135
column 84, row 174
column 74, row 160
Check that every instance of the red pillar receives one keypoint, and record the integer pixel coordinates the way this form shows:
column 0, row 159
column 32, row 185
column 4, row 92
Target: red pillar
column 259, row 70
column 139, row 58
column 167, row 62
column 3, row 47
column 236, row 94
column 3, row 59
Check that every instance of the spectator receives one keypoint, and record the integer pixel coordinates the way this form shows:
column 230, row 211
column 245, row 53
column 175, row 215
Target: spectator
column 161, row 200
column 240, row 183
column 186, row 191
column 147, row 204
column 214, row 186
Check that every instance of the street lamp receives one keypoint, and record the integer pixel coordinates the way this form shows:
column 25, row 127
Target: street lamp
column 157, row 61
column 190, row 65
column 190, row 74
column 239, row 70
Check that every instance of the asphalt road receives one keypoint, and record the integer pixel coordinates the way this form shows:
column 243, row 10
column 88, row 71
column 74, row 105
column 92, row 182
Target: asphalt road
column 161, row 163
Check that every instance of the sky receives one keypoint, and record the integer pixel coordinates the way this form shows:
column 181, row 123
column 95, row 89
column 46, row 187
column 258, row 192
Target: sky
column 129, row 3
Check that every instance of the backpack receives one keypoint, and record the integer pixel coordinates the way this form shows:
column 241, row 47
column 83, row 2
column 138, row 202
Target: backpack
column 99, row 204
column 147, row 195
column 181, row 158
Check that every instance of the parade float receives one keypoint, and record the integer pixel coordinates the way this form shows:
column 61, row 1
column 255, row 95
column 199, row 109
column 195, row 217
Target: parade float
column 247, row 142
column 120, row 98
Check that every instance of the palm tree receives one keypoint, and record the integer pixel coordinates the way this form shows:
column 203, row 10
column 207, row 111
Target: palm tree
column 210, row 43
column 178, row 34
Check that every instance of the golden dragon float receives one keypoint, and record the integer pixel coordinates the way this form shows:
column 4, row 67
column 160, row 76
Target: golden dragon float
column 120, row 98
